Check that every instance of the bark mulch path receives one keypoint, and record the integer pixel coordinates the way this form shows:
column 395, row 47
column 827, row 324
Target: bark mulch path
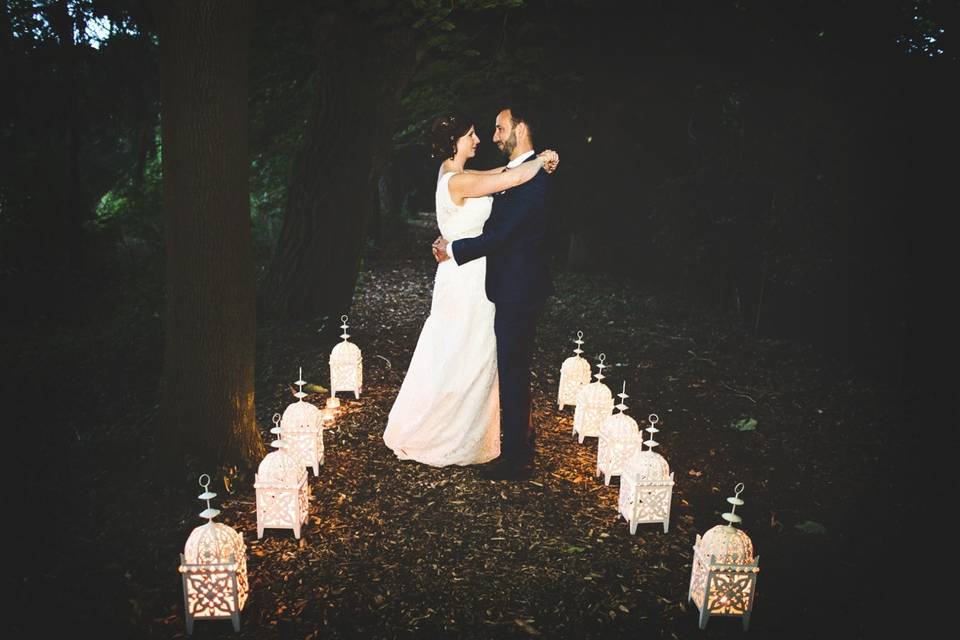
column 399, row 549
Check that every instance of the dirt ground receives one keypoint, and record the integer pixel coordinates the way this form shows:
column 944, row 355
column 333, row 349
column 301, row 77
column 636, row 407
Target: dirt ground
column 402, row 550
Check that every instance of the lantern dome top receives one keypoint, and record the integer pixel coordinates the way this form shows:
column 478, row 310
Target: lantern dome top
column 575, row 364
column 213, row 543
column 595, row 392
column 648, row 466
column 344, row 350
column 279, row 467
column 300, row 413
column 728, row 544
column 620, row 426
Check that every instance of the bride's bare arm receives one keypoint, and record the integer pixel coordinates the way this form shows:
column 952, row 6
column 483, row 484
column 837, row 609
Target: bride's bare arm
column 486, row 171
column 473, row 185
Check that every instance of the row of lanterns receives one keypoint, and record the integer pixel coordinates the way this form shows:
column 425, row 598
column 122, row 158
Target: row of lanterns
column 213, row 563
column 724, row 575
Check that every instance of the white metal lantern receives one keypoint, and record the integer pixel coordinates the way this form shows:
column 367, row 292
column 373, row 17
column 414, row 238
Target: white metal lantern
column 574, row 374
column 213, row 566
column 302, row 429
column 346, row 365
column 619, row 440
column 723, row 581
column 646, row 484
column 594, row 405
column 283, row 494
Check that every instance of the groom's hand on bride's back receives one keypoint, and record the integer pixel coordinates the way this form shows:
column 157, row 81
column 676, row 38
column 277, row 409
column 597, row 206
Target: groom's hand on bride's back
column 440, row 250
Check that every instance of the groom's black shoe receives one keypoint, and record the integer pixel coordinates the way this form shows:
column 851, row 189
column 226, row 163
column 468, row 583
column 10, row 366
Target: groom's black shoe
column 506, row 470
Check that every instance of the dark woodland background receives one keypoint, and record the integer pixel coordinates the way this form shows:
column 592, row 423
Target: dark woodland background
column 177, row 177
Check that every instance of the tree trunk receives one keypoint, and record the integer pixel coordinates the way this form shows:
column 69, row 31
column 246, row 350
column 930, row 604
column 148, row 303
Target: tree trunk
column 208, row 373
column 332, row 188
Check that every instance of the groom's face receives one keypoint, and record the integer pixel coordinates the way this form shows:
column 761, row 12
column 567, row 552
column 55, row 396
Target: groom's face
column 504, row 134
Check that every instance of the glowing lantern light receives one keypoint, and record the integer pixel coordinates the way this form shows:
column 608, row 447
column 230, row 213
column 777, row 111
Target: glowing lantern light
column 213, row 566
column 283, row 495
column 619, row 440
column 330, row 411
column 302, row 429
column 646, row 484
column 346, row 365
column 724, row 576
column 594, row 405
column 574, row 374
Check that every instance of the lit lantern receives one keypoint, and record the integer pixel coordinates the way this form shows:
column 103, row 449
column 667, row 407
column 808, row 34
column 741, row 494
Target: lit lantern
column 213, row 566
column 574, row 374
column 646, row 484
column 619, row 440
column 594, row 405
column 283, row 494
column 346, row 365
column 302, row 429
column 724, row 577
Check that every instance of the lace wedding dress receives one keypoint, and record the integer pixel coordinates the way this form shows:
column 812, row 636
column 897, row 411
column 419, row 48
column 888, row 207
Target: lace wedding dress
column 448, row 408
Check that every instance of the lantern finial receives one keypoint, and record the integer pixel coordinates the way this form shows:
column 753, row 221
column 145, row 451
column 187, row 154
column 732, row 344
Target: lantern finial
column 732, row 518
column 300, row 382
column 653, row 419
column 579, row 342
column 344, row 335
column 599, row 375
column 623, row 396
column 209, row 513
column 278, row 431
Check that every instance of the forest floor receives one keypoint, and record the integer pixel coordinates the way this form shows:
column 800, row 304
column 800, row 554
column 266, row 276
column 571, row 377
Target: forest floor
column 397, row 549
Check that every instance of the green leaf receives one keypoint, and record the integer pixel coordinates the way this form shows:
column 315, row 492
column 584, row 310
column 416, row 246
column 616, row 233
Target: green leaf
column 744, row 424
column 574, row 549
column 809, row 526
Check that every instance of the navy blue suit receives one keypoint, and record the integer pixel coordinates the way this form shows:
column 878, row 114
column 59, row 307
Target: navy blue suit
column 514, row 241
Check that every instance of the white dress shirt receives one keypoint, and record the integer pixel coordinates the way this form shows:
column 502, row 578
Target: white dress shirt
column 516, row 162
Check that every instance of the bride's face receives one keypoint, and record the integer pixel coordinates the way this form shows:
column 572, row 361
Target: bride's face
column 467, row 144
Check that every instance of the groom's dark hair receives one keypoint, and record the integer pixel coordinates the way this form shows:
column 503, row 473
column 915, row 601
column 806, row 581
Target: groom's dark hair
column 522, row 111
column 446, row 130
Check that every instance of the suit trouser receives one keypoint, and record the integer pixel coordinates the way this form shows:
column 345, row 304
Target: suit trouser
column 515, row 327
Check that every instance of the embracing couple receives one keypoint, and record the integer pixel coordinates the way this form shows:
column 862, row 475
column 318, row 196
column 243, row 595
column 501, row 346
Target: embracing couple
column 469, row 378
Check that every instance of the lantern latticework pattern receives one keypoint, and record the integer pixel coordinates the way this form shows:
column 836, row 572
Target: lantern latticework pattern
column 619, row 441
column 574, row 375
column 346, row 365
column 213, row 568
column 283, row 494
column 302, row 429
column 594, row 406
column 723, row 581
column 646, row 484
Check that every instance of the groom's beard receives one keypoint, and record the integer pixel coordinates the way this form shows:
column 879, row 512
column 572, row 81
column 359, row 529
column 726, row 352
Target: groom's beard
column 507, row 146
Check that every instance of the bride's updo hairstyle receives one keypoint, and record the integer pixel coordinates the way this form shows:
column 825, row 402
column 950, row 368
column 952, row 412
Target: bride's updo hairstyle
column 445, row 132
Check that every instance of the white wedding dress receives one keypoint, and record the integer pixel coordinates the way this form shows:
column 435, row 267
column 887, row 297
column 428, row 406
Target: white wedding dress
column 448, row 408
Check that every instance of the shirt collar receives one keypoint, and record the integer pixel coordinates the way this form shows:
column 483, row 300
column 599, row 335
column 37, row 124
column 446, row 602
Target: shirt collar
column 516, row 162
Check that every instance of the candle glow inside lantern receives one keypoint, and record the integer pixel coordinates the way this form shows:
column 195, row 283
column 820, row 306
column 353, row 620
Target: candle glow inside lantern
column 646, row 484
column 346, row 365
column 213, row 567
column 302, row 429
column 724, row 576
column 619, row 440
column 594, row 405
column 283, row 494
column 574, row 374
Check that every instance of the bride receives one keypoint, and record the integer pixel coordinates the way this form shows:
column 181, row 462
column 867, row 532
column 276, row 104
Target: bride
column 448, row 408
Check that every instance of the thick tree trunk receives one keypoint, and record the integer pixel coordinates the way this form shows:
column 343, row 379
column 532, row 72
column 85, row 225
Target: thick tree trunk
column 332, row 189
column 208, row 375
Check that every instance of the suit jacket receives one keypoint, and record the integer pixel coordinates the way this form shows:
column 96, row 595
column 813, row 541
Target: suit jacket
column 514, row 241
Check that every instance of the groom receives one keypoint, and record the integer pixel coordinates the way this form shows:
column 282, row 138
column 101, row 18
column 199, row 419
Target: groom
column 514, row 242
